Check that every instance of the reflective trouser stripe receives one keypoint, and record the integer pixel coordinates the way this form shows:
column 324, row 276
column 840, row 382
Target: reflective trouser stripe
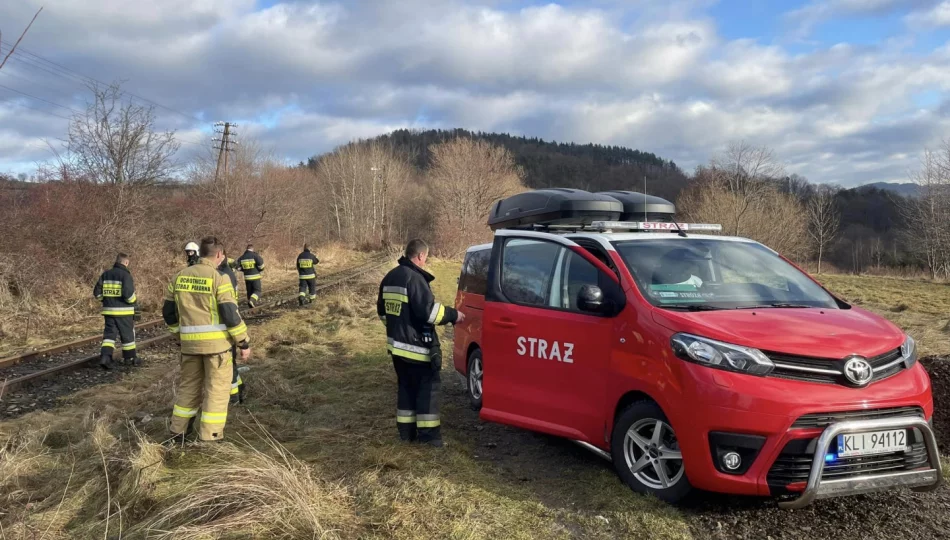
column 108, row 343
column 174, row 329
column 184, row 412
column 118, row 311
column 307, row 276
column 407, row 354
column 255, row 297
column 252, row 278
column 214, row 417
column 128, row 346
column 427, row 420
column 405, row 417
column 302, row 294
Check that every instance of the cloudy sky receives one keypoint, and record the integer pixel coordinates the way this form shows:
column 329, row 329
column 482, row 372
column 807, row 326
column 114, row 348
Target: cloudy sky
column 845, row 91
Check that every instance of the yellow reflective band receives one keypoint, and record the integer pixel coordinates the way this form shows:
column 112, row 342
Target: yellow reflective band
column 313, row 297
column 238, row 330
column 118, row 312
column 307, row 276
column 128, row 347
column 439, row 317
column 252, row 278
column 427, row 423
column 304, row 263
column 112, row 290
column 225, row 288
column 204, row 336
column 255, row 297
column 406, row 354
column 183, row 412
column 240, row 380
column 173, row 329
column 99, row 297
column 108, row 343
column 395, row 296
column 248, row 264
column 190, row 284
column 302, row 294
column 406, row 419
column 213, row 417
column 132, row 299
column 234, row 389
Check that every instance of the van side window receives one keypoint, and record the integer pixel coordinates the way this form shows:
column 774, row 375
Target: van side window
column 474, row 278
column 527, row 270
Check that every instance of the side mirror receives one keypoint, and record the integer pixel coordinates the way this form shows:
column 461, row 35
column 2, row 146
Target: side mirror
column 590, row 298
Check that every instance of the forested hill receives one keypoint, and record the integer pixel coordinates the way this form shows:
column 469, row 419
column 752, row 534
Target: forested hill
column 592, row 167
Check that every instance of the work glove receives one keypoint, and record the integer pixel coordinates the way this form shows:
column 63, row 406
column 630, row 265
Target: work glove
column 436, row 359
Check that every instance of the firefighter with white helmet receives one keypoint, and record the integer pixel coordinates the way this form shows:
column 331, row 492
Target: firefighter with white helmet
column 191, row 251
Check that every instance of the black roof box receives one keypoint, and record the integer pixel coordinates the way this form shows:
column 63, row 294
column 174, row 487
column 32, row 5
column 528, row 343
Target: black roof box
column 636, row 206
column 555, row 206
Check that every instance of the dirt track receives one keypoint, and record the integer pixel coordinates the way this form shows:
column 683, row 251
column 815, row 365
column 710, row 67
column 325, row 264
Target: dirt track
column 539, row 462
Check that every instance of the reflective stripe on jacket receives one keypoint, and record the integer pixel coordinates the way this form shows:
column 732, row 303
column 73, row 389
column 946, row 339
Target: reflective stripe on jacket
column 406, row 304
column 116, row 290
column 251, row 264
column 307, row 265
column 201, row 307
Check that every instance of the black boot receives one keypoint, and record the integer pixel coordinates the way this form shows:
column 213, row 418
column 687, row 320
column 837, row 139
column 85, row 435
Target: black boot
column 300, row 301
column 137, row 361
column 105, row 362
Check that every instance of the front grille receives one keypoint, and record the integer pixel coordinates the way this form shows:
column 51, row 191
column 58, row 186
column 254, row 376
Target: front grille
column 822, row 420
column 791, row 468
column 830, row 370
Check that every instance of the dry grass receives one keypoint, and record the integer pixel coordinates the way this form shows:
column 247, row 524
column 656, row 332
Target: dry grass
column 920, row 307
column 74, row 313
column 314, row 456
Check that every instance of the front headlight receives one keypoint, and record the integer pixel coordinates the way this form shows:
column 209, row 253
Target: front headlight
column 719, row 355
column 909, row 352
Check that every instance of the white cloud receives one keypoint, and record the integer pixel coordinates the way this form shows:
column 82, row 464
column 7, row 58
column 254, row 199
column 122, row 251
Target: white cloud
column 304, row 76
column 938, row 15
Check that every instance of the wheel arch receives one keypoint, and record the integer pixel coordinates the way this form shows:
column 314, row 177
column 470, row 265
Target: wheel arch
column 472, row 347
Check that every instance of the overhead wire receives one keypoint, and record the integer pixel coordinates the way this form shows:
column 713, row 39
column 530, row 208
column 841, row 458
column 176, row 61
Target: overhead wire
column 93, row 79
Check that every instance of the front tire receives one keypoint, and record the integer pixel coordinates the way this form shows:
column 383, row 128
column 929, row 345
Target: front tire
column 646, row 453
column 475, row 372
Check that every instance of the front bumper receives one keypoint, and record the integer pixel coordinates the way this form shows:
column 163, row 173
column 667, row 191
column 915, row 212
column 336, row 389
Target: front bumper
column 924, row 479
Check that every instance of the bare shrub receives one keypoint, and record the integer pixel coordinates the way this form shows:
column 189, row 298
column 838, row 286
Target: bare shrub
column 928, row 215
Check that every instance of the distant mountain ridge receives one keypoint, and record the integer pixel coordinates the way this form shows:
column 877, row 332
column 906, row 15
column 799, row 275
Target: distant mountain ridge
column 906, row 189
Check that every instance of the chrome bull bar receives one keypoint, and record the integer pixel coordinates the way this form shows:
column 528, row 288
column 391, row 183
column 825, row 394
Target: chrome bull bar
column 919, row 480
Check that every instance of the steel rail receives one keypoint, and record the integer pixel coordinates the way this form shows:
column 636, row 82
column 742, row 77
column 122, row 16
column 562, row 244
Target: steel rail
column 31, row 355
column 11, row 384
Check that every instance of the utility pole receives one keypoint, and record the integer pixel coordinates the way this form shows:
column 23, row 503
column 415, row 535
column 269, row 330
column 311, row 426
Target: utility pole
column 223, row 145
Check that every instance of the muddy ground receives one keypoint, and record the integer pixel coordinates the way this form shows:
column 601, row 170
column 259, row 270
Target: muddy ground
column 537, row 460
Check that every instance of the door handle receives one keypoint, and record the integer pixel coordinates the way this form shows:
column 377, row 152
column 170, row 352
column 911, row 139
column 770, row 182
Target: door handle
column 504, row 323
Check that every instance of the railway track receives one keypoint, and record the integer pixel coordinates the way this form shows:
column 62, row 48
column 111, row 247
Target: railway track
column 21, row 370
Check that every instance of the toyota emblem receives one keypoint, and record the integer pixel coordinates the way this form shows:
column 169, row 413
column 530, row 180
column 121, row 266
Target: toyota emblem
column 858, row 371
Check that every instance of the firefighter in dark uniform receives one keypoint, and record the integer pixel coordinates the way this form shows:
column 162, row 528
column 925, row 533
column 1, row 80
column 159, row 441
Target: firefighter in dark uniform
column 116, row 290
column 307, row 272
column 237, row 384
column 251, row 264
column 191, row 252
column 407, row 308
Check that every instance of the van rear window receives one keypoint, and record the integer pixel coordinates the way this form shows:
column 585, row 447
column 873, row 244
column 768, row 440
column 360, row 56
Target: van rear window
column 474, row 278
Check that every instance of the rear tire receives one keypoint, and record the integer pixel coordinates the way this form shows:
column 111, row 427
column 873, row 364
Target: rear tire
column 474, row 374
column 647, row 455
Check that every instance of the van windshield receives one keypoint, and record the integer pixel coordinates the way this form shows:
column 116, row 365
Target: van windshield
column 700, row 274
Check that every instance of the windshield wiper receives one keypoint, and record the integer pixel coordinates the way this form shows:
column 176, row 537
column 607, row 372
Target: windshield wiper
column 775, row 305
column 695, row 307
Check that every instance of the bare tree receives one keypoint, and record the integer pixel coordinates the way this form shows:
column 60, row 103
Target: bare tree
column 115, row 141
column 745, row 171
column 465, row 178
column 823, row 219
column 928, row 215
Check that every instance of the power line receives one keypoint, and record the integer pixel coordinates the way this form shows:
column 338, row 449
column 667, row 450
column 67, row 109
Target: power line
column 44, row 111
column 93, row 79
column 39, row 99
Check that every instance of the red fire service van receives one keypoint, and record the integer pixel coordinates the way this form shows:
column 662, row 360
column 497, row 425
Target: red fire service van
column 688, row 360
